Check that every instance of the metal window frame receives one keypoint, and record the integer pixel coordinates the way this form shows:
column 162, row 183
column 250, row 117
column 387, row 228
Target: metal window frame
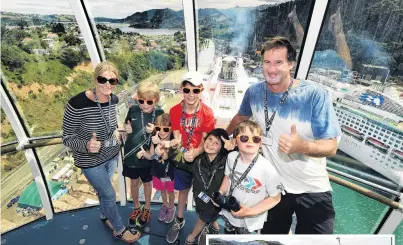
column 32, row 159
column 83, row 18
column 312, row 36
column 189, row 10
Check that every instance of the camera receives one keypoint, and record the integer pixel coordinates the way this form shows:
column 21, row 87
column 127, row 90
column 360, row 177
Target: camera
column 226, row 202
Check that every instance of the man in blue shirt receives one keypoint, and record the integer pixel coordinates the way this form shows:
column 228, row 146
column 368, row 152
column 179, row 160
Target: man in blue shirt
column 301, row 130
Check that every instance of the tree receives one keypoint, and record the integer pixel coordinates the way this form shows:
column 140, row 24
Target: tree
column 3, row 30
column 72, row 40
column 22, row 23
column 70, row 57
column 59, row 27
column 12, row 57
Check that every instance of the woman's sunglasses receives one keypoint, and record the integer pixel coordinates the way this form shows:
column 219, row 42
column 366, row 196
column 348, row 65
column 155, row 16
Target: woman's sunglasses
column 149, row 102
column 195, row 90
column 245, row 138
column 103, row 80
column 165, row 129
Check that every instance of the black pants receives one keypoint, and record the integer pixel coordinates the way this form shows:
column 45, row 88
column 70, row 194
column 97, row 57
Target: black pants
column 315, row 214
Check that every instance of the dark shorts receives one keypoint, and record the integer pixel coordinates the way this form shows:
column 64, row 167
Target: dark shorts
column 207, row 217
column 314, row 211
column 183, row 179
column 134, row 173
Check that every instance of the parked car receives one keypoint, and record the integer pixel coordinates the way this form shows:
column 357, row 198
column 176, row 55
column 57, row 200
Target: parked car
column 13, row 201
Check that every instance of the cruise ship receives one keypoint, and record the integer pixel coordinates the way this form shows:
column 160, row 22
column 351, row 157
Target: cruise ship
column 371, row 119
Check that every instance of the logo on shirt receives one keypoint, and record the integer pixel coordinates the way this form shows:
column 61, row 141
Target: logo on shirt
column 188, row 123
column 249, row 184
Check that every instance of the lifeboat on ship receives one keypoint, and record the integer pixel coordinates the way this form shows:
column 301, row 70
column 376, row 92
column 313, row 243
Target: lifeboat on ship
column 377, row 144
column 352, row 132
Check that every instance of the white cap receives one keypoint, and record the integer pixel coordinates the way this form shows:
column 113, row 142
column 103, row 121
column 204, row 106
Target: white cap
column 194, row 77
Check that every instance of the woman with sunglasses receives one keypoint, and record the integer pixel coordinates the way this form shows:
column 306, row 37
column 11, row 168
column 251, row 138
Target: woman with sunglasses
column 89, row 130
column 191, row 120
column 140, row 119
column 251, row 179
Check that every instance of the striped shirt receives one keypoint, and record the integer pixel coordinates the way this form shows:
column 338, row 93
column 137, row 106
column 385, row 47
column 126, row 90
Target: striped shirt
column 82, row 117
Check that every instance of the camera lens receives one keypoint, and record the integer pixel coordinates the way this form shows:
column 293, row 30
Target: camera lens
column 233, row 204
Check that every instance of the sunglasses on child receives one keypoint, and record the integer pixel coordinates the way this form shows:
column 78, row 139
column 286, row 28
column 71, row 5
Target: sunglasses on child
column 103, row 80
column 165, row 129
column 195, row 90
column 149, row 102
column 245, row 138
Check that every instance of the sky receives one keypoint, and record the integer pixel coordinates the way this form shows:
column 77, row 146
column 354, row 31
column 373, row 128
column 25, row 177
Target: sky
column 119, row 8
column 316, row 240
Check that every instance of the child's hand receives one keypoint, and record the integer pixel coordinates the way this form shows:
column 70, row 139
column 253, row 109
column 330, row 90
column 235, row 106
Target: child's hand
column 159, row 150
column 156, row 139
column 150, row 128
column 228, row 144
column 141, row 153
column 190, row 154
column 175, row 142
column 128, row 127
column 243, row 212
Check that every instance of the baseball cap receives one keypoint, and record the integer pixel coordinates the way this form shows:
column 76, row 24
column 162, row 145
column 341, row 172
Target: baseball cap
column 194, row 77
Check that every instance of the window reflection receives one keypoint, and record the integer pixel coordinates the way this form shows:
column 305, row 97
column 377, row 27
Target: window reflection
column 44, row 60
column 230, row 39
column 358, row 62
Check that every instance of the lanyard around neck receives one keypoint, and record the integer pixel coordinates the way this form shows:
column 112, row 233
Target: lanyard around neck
column 107, row 124
column 207, row 185
column 192, row 123
column 282, row 101
column 232, row 187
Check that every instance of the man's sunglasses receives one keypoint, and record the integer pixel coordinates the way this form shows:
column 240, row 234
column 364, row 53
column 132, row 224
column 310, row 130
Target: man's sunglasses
column 103, row 80
column 149, row 102
column 165, row 129
column 245, row 138
column 195, row 90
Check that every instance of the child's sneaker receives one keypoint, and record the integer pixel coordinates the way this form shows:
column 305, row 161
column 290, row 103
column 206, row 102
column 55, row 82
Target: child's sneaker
column 173, row 233
column 145, row 217
column 134, row 215
column 163, row 213
column 170, row 214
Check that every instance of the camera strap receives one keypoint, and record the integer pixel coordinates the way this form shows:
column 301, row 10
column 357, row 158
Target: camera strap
column 232, row 176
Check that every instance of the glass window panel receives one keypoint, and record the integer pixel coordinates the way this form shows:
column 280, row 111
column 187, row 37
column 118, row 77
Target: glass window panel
column 7, row 132
column 68, row 187
column 349, row 205
column 146, row 40
column 357, row 60
column 44, row 60
column 20, row 200
column 399, row 234
column 230, row 37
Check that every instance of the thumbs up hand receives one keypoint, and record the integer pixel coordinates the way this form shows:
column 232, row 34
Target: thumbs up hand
column 290, row 143
column 141, row 153
column 156, row 139
column 150, row 128
column 128, row 127
column 93, row 145
column 228, row 144
column 190, row 154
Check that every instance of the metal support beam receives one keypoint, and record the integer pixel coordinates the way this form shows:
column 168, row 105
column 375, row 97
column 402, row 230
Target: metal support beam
column 18, row 128
column 190, row 28
column 318, row 15
column 82, row 18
